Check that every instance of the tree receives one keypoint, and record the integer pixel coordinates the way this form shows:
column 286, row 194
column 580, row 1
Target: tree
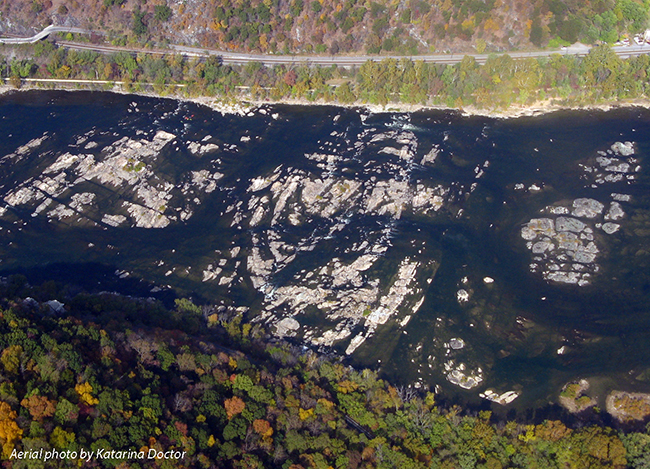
column 290, row 78
column 61, row 439
column 39, row 407
column 186, row 362
column 66, row 412
column 263, row 428
column 242, row 382
column 84, row 390
column 9, row 429
column 234, row 406
column 235, row 429
column 10, row 357
column 536, row 33
column 138, row 24
column 637, row 447
column 344, row 94
column 162, row 13
column 15, row 81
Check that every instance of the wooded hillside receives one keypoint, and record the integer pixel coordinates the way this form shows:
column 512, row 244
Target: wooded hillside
column 127, row 374
column 334, row 27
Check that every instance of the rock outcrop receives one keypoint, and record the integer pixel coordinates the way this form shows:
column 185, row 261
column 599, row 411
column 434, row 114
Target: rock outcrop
column 564, row 244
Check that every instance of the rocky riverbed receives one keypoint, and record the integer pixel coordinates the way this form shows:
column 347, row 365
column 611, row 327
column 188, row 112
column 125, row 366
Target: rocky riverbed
column 453, row 254
column 564, row 240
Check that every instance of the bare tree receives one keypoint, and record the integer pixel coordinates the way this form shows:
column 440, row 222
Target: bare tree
column 406, row 393
column 182, row 403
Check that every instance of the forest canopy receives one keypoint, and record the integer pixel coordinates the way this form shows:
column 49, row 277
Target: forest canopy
column 123, row 376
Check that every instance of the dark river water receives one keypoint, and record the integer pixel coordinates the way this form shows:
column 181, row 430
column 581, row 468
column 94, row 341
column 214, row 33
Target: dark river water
column 526, row 331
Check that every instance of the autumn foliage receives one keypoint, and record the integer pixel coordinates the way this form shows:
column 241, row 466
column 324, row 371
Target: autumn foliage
column 39, row 406
column 234, row 406
column 9, row 430
column 246, row 403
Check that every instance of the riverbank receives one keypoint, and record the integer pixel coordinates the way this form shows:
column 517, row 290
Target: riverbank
column 512, row 112
column 243, row 106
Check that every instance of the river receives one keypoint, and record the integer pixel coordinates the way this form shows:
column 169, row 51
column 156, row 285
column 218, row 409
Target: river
column 511, row 252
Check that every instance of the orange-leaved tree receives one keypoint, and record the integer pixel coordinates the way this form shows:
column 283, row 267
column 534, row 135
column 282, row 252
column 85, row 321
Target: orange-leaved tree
column 234, row 406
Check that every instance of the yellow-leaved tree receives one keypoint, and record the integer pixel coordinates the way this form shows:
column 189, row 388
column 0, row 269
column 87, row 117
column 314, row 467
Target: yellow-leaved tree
column 84, row 390
column 9, row 429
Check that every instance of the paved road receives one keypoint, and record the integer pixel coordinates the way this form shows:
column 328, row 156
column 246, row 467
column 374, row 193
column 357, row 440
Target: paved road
column 344, row 61
column 236, row 58
column 43, row 34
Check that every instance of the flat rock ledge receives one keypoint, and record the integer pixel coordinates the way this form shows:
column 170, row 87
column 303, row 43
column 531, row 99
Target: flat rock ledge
column 503, row 399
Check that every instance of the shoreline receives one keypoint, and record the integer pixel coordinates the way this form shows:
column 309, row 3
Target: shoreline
column 242, row 106
column 536, row 109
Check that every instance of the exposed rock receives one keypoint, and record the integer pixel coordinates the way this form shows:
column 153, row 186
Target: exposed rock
column 75, row 206
column 503, row 399
column 460, row 376
column 23, row 150
column 610, row 228
column 211, row 273
column 456, row 344
column 615, row 212
column 63, row 162
column 354, row 344
column 287, row 327
column 197, row 149
column 289, row 213
column 113, row 220
column 205, row 181
column 389, row 303
column 569, row 224
column 615, row 165
column 146, row 217
column 559, row 210
column 389, row 197
column 537, row 227
column 586, row 208
column 573, row 397
column 462, row 296
column 259, row 183
column 621, row 197
column 123, row 163
column 430, row 158
column 623, row 149
column 564, row 248
column 258, row 267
